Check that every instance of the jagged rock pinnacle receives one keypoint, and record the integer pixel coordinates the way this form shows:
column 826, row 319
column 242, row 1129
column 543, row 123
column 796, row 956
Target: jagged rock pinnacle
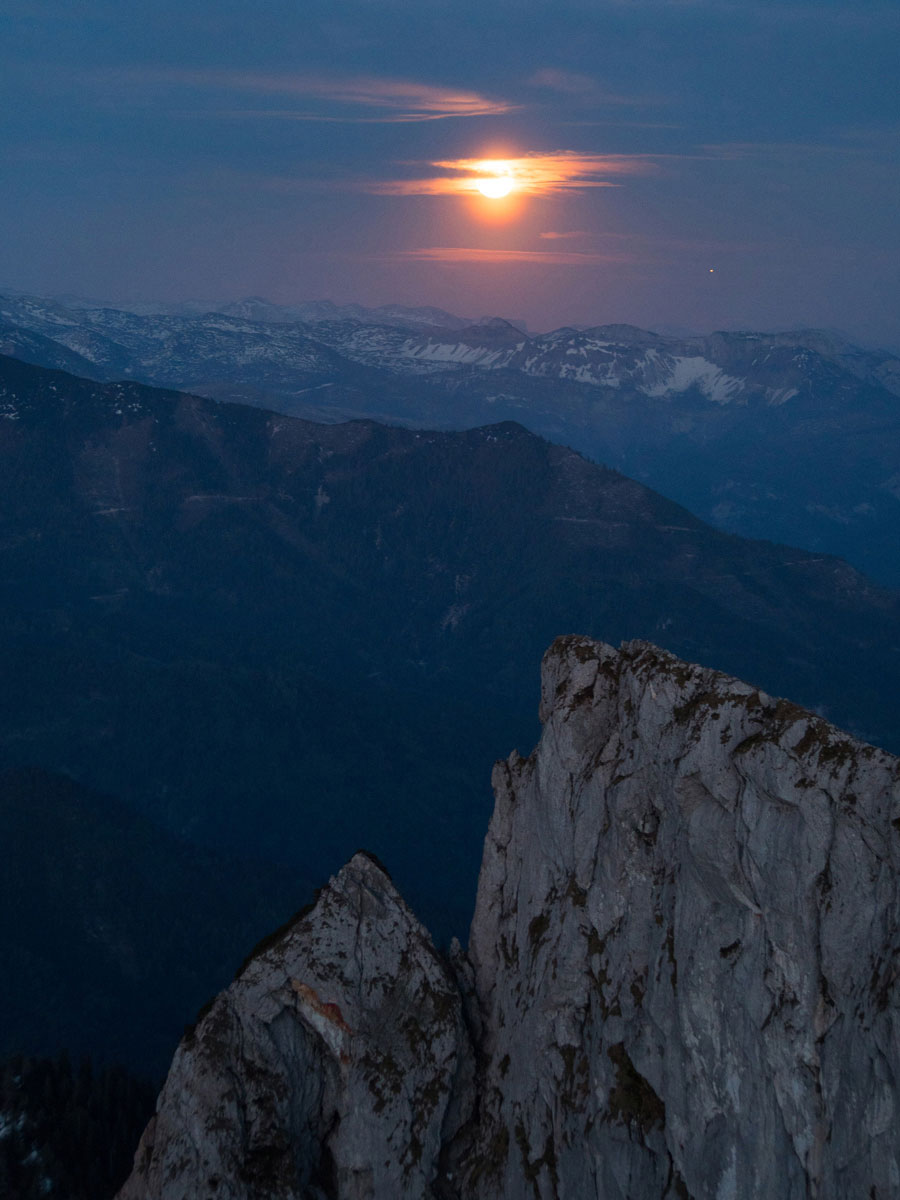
column 325, row 1069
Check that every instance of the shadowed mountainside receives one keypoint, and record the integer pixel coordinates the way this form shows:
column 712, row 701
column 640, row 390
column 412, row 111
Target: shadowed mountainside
column 791, row 436
column 286, row 640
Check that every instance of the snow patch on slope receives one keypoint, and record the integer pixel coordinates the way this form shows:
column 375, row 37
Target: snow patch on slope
column 700, row 373
column 458, row 353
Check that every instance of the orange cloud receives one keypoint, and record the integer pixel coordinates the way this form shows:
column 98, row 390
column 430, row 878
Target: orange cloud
column 552, row 235
column 532, row 174
column 464, row 254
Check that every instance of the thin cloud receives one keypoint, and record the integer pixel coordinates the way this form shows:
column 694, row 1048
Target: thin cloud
column 530, row 175
column 322, row 118
column 791, row 150
column 617, row 123
column 396, row 99
column 473, row 254
column 553, row 235
column 570, row 82
column 573, row 84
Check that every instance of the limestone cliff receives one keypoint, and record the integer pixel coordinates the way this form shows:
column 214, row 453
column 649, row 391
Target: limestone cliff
column 682, row 979
column 686, row 945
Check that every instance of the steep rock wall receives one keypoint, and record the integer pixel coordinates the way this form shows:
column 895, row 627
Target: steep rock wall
column 686, row 945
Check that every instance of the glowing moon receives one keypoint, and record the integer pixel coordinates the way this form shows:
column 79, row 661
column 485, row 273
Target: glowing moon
column 496, row 187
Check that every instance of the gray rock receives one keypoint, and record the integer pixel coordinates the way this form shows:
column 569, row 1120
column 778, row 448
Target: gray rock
column 682, row 979
column 325, row 1069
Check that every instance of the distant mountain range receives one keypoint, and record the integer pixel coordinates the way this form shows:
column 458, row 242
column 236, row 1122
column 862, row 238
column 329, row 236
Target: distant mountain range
column 281, row 640
column 794, row 437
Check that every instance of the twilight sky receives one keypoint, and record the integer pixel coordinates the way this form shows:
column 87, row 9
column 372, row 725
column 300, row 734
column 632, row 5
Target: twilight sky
column 674, row 163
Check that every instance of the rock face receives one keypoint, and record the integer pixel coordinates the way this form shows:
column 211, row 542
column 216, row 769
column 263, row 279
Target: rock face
column 686, row 945
column 682, row 979
column 326, row 1069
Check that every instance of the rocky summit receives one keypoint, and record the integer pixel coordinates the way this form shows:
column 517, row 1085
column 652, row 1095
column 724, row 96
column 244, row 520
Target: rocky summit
column 333, row 1066
column 681, row 981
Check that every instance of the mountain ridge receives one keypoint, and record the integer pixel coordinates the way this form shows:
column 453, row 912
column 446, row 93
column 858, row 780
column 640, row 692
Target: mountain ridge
column 793, row 437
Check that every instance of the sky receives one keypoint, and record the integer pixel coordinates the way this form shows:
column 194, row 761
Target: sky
column 673, row 164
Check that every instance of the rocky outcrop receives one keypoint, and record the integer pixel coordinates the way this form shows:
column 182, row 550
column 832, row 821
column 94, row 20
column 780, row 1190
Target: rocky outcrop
column 686, row 945
column 682, row 979
column 332, row 1066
